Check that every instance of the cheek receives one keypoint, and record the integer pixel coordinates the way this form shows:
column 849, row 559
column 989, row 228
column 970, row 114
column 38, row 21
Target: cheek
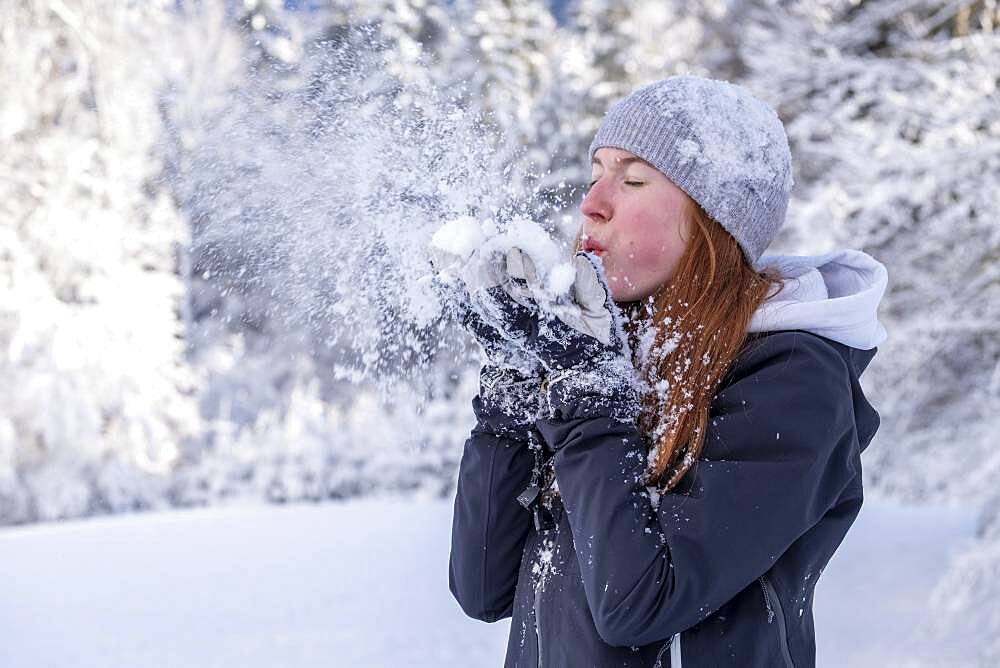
column 647, row 257
column 644, row 255
column 652, row 245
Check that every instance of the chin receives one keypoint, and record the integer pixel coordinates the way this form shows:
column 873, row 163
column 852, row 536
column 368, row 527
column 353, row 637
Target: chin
column 623, row 290
column 625, row 294
column 629, row 294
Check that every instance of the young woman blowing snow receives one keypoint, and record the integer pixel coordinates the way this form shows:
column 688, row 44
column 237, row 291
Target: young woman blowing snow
column 685, row 432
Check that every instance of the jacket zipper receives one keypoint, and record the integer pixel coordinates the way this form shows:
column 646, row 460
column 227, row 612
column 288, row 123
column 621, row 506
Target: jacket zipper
column 538, row 626
column 771, row 595
column 674, row 645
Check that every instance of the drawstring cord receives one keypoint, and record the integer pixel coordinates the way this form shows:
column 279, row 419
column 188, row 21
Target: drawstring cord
column 537, row 497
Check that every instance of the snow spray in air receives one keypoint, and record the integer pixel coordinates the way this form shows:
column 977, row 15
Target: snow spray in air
column 314, row 198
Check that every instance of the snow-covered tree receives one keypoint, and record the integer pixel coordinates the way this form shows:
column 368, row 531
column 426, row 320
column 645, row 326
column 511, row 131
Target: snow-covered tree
column 892, row 141
column 891, row 109
column 505, row 63
column 96, row 400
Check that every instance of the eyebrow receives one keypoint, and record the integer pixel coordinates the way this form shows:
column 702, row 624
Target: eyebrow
column 624, row 162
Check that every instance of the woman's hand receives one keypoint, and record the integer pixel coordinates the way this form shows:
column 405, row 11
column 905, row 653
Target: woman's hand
column 458, row 289
column 577, row 331
column 577, row 338
column 510, row 380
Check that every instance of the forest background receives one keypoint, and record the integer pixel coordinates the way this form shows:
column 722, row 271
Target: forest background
column 213, row 216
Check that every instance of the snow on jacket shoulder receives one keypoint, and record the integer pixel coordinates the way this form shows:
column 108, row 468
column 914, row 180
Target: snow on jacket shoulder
column 729, row 560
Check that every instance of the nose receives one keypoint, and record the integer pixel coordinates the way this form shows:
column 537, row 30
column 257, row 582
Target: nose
column 597, row 204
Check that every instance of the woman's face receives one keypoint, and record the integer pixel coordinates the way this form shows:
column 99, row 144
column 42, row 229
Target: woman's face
column 636, row 220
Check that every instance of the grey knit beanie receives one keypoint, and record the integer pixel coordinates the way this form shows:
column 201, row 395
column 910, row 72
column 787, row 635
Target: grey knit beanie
column 715, row 141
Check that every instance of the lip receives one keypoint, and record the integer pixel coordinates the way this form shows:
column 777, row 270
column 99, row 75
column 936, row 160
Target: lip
column 591, row 246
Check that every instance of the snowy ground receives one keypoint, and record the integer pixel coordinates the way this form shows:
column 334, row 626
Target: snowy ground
column 365, row 584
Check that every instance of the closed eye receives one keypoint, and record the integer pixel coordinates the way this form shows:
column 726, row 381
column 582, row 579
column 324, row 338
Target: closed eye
column 628, row 183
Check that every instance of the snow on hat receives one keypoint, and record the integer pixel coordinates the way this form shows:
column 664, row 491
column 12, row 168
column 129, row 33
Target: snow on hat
column 718, row 143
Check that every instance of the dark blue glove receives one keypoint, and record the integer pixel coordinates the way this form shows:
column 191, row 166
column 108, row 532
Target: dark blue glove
column 510, row 380
column 577, row 338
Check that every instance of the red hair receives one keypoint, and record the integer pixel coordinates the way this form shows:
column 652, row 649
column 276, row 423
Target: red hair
column 685, row 337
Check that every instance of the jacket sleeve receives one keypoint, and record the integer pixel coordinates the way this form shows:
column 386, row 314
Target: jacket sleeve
column 489, row 527
column 780, row 449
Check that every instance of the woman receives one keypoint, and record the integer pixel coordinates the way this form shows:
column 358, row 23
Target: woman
column 688, row 470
